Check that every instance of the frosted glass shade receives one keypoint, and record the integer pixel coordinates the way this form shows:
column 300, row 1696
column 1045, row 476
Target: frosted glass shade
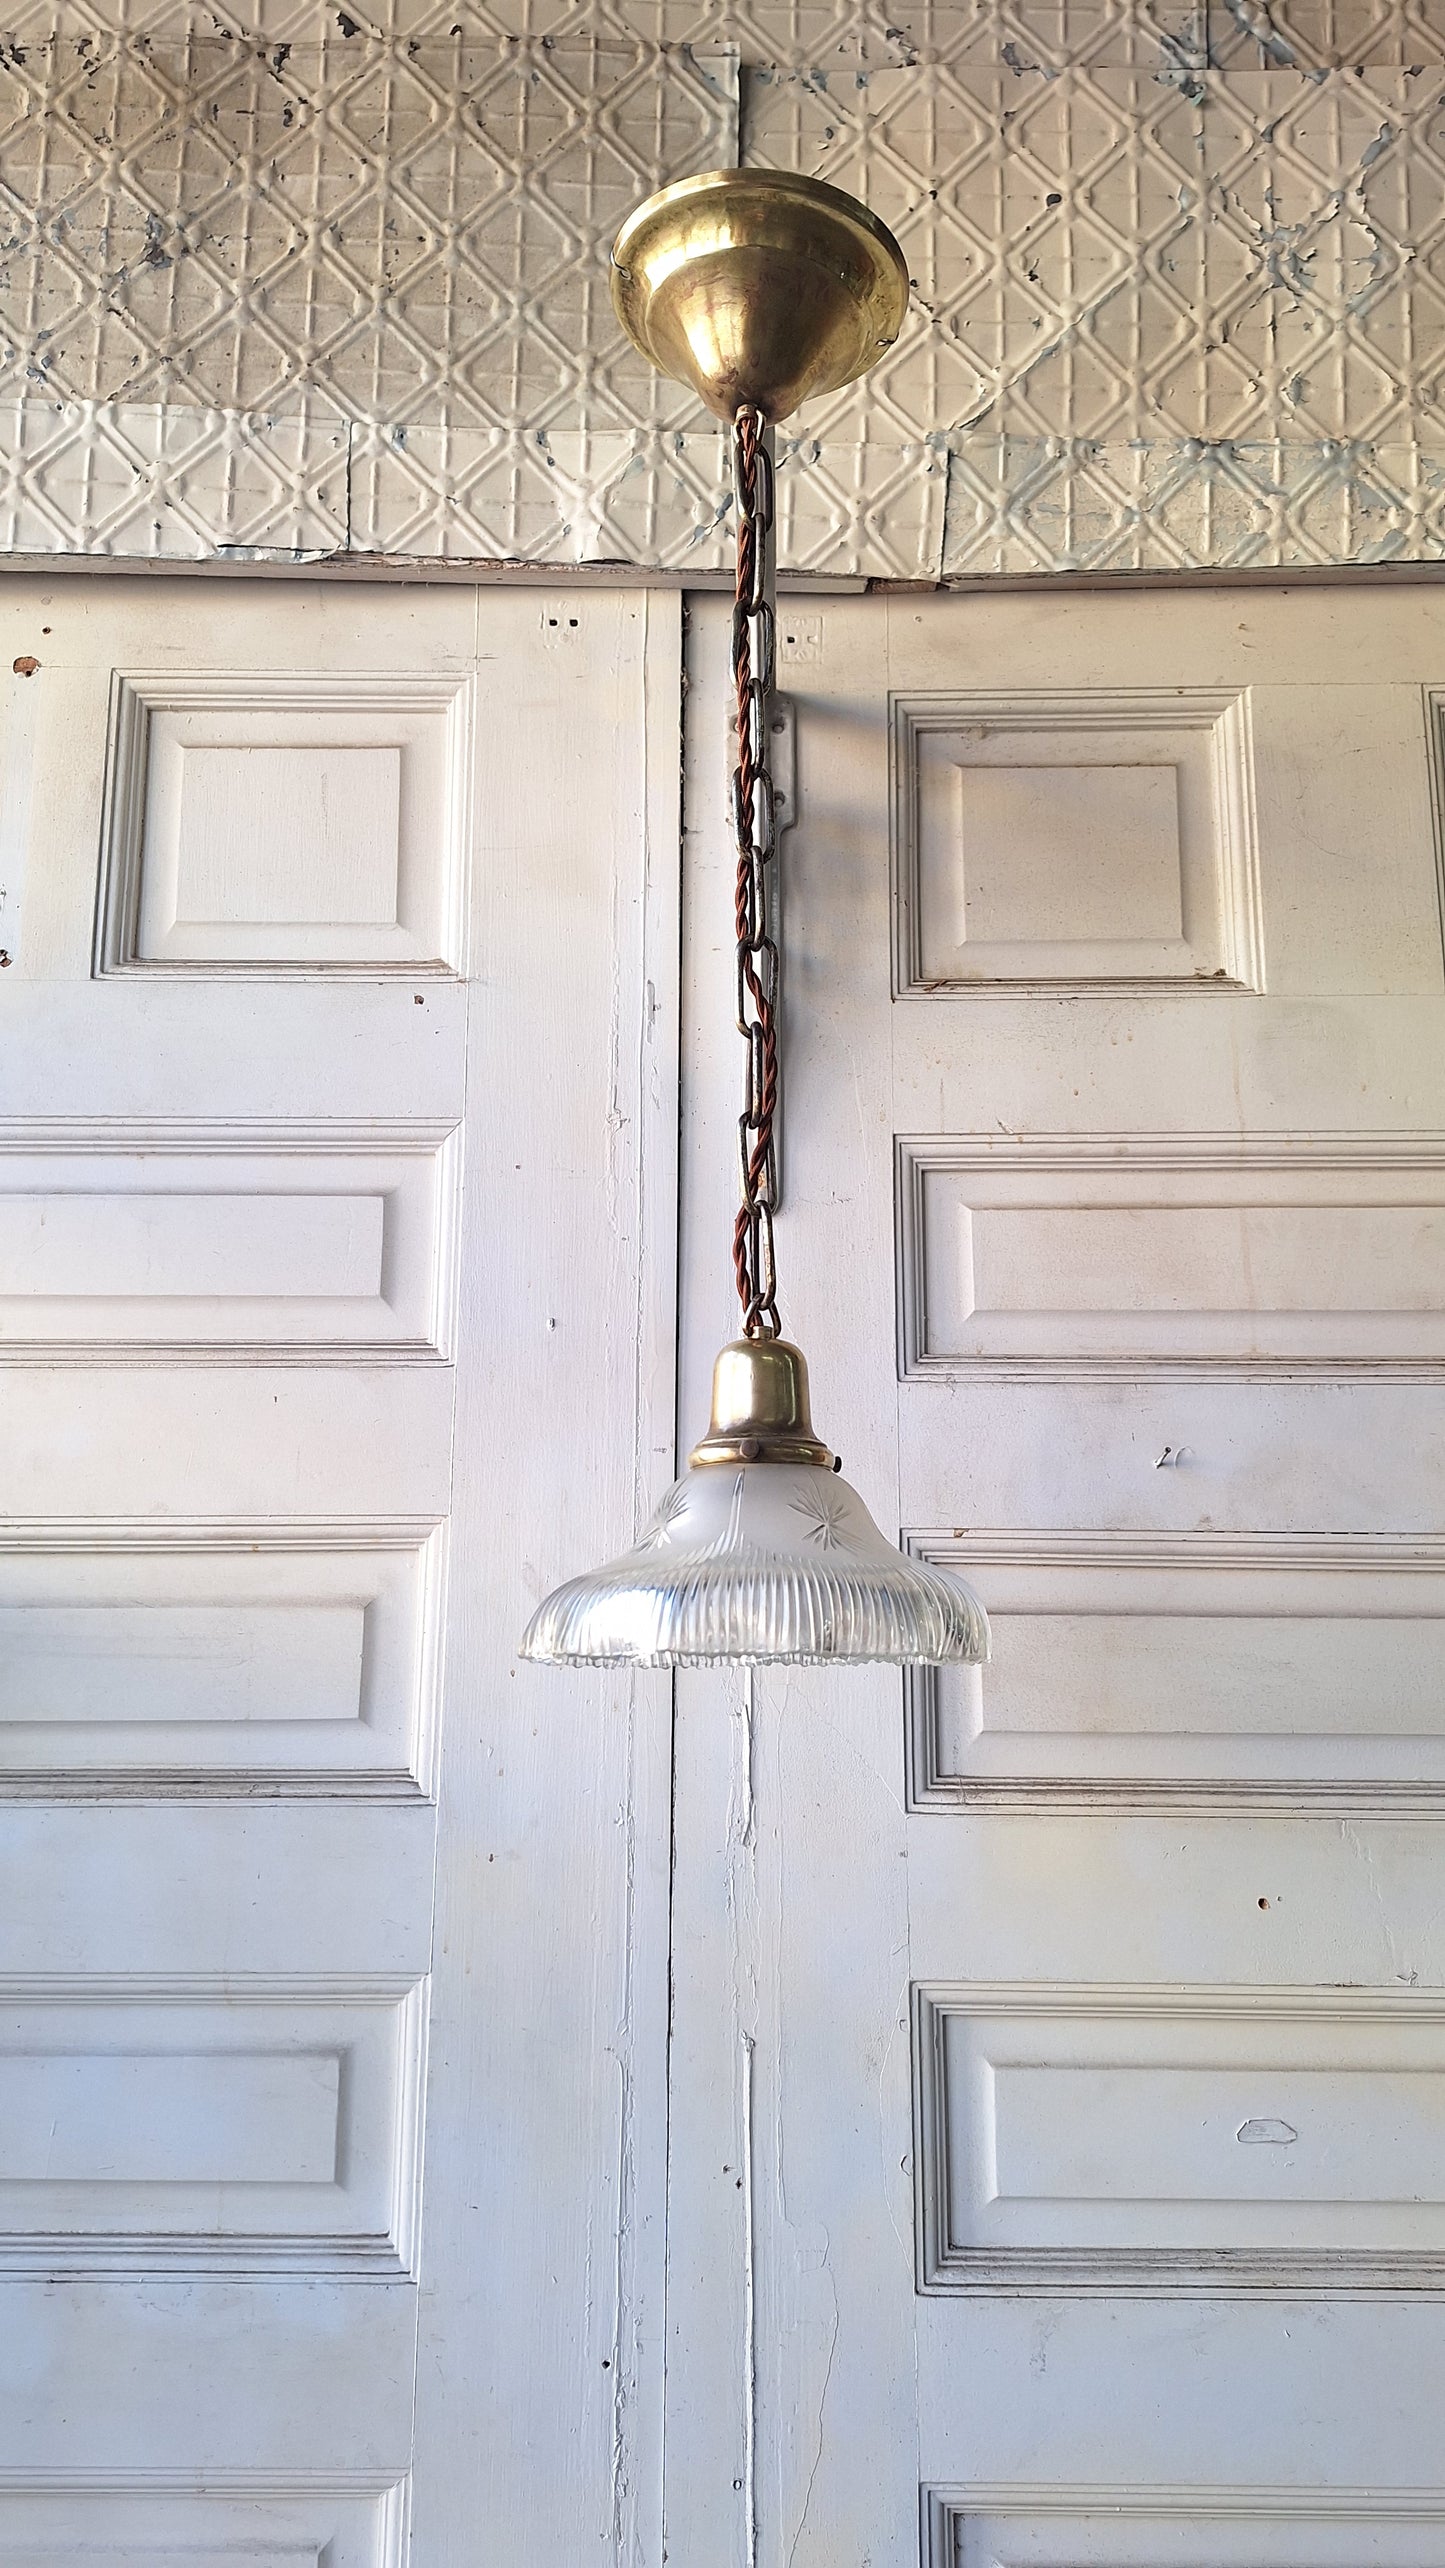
column 759, row 1562
column 759, row 1554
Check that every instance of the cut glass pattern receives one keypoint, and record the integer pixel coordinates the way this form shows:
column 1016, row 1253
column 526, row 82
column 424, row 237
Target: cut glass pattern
column 755, row 1564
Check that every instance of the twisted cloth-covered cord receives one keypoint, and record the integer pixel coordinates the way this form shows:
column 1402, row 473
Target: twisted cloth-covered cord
column 755, row 829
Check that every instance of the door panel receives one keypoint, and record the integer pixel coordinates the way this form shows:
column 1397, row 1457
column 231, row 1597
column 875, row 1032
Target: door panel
column 1062, row 2083
column 1187, row 1671
column 291, row 1212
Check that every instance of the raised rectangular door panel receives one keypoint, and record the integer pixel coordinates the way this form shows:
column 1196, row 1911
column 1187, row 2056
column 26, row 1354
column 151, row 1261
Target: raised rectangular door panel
column 1122, row 2140
column 224, row 1656
column 1132, row 2527
column 297, row 1250
column 196, row 2130
column 1192, row 1253
column 279, row 2527
column 1228, row 1672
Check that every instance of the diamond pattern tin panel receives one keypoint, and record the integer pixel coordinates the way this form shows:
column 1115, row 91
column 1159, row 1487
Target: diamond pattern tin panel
column 1102, row 251
column 819, row 37
column 170, row 484
column 413, row 229
column 1306, row 35
column 1051, row 504
column 300, row 280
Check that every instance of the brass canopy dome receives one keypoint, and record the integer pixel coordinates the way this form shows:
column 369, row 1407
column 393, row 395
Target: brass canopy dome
column 758, row 286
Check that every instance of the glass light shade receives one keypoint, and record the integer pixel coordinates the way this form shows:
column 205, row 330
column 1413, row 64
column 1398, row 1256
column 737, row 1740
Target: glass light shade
column 759, row 1554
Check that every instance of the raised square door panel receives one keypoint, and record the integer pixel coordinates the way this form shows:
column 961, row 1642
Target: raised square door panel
column 1197, row 1672
column 1192, row 1253
column 265, row 823
column 1074, row 841
column 1202, row 2140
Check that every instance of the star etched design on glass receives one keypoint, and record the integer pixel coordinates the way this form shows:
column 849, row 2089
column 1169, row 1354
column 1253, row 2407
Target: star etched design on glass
column 666, row 1515
column 824, row 1512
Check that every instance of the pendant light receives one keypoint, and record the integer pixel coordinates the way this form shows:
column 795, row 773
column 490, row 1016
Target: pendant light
column 759, row 288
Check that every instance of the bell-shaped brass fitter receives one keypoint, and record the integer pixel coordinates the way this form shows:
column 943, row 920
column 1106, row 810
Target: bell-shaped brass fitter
column 758, row 287
column 760, row 1406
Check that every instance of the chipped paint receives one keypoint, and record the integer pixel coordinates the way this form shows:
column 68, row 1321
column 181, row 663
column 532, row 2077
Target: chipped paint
column 331, row 282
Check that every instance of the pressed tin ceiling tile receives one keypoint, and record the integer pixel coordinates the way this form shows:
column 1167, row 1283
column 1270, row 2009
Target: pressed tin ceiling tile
column 413, row 228
column 663, row 498
column 286, row 277
column 169, row 483
column 841, row 504
column 413, row 233
column 1303, row 35
column 1017, row 507
column 440, row 494
column 1101, row 250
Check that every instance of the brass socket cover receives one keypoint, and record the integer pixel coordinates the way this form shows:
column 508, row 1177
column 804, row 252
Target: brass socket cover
column 760, row 1409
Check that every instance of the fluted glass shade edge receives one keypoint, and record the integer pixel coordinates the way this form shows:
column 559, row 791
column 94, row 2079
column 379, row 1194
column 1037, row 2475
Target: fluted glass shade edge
column 710, row 1582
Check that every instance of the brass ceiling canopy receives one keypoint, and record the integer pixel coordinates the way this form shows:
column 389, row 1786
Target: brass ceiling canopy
column 759, row 287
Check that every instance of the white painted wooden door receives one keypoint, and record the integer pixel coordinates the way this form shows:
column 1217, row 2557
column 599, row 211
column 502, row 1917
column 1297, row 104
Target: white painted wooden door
column 1059, row 2110
column 335, row 1019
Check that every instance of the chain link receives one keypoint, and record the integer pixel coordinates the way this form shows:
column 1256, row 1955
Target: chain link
column 754, row 814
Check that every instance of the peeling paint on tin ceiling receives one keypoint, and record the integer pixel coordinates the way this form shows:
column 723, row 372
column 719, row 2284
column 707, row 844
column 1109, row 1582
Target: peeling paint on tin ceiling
column 303, row 280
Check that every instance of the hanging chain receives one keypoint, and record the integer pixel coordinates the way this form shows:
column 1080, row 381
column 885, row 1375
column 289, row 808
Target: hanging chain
column 755, row 828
